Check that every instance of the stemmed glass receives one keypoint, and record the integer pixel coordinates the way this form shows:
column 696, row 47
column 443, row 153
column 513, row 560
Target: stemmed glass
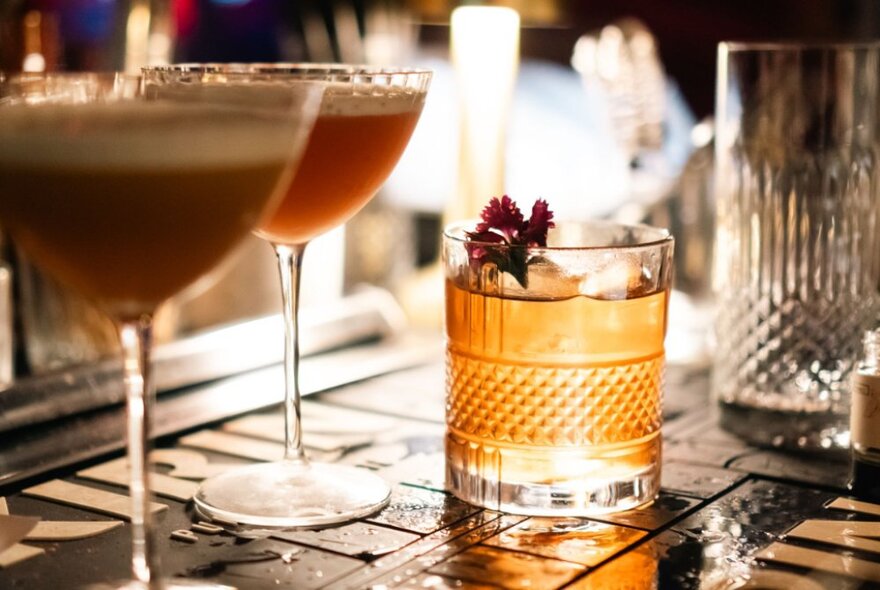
column 127, row 192
column 366, row 119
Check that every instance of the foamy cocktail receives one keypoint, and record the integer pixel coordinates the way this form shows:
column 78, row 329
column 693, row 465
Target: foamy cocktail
column 554, row 368
column 127, row 196
column 136, row 200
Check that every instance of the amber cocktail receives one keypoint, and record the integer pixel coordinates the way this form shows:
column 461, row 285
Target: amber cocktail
column 555, row 376
column 366, row 118
column 355, row 144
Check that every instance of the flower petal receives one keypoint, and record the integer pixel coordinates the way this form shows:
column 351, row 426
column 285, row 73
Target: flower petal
column 504, row 216
column 535, row 230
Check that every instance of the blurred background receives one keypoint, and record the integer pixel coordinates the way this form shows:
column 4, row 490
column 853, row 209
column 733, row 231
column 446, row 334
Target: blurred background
column 608, row 115
column 95, row 34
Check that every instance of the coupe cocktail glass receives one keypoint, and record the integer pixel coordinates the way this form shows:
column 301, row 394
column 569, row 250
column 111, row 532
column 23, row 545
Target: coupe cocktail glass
column 366, row 119
column 127, row 193
column 554, row 378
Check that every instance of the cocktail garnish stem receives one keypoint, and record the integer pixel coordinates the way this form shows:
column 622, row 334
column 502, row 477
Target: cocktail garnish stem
column 504, row 224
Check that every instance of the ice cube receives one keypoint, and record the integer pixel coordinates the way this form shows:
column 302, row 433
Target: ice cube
column 547, row 280
column 613, row 280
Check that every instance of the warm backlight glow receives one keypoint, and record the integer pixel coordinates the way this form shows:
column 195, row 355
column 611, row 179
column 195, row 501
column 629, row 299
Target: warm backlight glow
column 485, row 54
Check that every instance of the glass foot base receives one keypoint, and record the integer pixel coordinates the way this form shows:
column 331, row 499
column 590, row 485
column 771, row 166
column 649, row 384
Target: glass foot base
column 795, row 431
column 538, row 481
column 289, row 494
column 164, row 584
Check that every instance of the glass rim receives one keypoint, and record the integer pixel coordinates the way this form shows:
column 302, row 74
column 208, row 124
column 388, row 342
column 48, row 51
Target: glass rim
column 455, row 232
column 20, row 84
column 793, row 45
column 289, row 68
column 7, row 77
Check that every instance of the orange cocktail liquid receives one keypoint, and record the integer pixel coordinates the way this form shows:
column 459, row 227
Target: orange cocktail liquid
column 132, row 238
column 348, row 158
column 557, row 396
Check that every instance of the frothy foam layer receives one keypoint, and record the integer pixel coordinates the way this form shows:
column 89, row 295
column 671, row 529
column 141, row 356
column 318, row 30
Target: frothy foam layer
column 144, row 135
column 364, row 99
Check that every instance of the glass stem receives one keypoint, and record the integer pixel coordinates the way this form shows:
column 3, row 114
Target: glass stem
column 290, row 267
column 136, row 337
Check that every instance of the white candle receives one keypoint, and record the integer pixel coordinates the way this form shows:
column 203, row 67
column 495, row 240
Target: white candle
column 485, row 56
column 148, row 34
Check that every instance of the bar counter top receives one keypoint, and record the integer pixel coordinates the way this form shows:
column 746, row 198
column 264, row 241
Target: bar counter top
column 729, row 515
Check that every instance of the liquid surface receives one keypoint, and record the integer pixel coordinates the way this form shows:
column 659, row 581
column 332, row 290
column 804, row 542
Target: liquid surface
column 355, row 144
column 141, row 134
column 129, row 203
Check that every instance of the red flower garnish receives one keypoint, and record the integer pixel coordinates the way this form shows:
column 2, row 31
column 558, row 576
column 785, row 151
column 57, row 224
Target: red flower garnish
column 504, row 223
column 503, row 219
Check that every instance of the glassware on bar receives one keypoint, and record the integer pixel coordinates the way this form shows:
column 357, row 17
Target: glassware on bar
column 127, row 194
column 366, row 119
column 554, row 388
column 797, row 249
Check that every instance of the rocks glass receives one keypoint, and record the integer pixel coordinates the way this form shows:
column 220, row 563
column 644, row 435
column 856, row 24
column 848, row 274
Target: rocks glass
column 554, row 369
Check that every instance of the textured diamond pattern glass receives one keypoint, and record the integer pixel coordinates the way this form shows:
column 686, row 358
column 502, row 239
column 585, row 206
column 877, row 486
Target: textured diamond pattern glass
column 554, row 378
column 554, row 406
column 798, row 247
